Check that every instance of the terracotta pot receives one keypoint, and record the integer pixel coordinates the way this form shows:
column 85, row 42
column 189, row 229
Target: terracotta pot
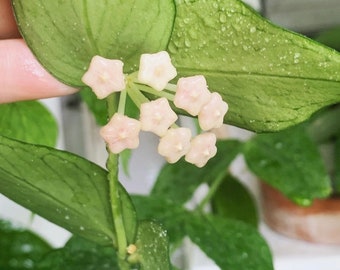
column 318, row 223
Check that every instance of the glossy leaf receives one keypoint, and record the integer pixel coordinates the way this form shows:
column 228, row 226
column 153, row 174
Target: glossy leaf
column 232, row 200
column 28, row 121
column 65, row 35
column 152, row 247
column 230, row 243
column 81, row 254
column 95, row 105
column 325, row 125
column 189, row 177
column 290, row 162
column 169, row 213
column 270, row 77
column 331, row 38
column 65, row 189
column 20, row 249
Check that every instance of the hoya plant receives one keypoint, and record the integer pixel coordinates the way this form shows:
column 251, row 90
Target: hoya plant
column 144, row 63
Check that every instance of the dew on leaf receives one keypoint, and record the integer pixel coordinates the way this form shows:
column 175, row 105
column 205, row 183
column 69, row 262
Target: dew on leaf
column 252, row 29
column 223, row 18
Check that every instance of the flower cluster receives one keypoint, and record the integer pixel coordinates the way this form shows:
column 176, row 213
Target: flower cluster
column 191, row 94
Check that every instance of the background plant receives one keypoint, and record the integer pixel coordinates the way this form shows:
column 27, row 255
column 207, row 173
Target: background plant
column 223, row 40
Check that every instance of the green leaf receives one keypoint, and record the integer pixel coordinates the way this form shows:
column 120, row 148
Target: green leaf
column 231, row 244
column 95, row 105
column 98, row 106
column 270, row 77
column 65, row 35
column 289, row 161
column 28, row 121
column 81, row 254
column 189, row 177
column 325, row 126
column 336, row 177
column 330, row 37
column 20, row 249
column 232, row 200
column 168, row 212
column 65, row 189
column 152, row 247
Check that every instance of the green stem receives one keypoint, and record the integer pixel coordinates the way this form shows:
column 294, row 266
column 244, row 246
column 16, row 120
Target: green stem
column 147, row 89
column 122, row 101
column 212, row 190
column 136, row 96
column 116, row 206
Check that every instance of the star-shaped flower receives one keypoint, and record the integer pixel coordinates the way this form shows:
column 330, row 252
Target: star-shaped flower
column 203, row 147
column 175, row 144
column 192, row 94
column 157, row 116
column 212, row 114
column 105, row 76
column 156, row 70
column 121, row 133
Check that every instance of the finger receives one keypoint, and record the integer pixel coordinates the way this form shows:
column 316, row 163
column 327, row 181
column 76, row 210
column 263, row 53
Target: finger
column 8, row 27
column 22, row 77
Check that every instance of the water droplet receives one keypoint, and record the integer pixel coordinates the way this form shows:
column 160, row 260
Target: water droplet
column 187, row 43
column 252, row 29
column 223, row 18
column 81, row 228
column 278, row 145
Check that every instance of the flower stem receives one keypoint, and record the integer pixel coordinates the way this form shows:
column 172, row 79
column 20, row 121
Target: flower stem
column 212, row 190
column 147, row 89
column 122, row 101
column 116, row 206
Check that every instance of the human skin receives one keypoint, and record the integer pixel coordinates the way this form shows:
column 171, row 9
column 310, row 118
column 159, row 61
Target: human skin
column 21, row 75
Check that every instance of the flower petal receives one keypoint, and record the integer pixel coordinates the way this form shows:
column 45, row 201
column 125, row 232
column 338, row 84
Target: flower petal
column 121, row 133
column 157, row 116
column 212, row 114
column 192, row 94
column 156, row 70
column 105, row 76
column 203, row 147
column 175, row 144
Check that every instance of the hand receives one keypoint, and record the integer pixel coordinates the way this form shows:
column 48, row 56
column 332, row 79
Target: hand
column 21, row 76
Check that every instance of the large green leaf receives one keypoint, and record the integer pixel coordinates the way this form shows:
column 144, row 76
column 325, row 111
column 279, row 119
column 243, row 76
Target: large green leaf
column 270, row 77
column 152, row 247
column 28, row 121
column 79, row 254
column 331, row 38
column 160, row 208
column 20, row 249
column 189, row 177
column 232, row 200
column 66, row 189
column 289, row 161
column 65, row 35
column 231, row 244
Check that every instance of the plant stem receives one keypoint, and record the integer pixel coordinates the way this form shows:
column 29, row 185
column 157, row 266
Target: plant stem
column 212, row 190
column 116, row 206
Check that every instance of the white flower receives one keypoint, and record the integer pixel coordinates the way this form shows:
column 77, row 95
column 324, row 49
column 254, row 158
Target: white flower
column 156, row 70
column 157, row 116
column 121, row 133
column 104, row 76
column 192, row 94
column 175, row 144
column 212, row 114
column 203, row 147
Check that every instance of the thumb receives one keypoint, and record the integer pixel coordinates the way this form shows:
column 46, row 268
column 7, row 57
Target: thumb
column 22, row 77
